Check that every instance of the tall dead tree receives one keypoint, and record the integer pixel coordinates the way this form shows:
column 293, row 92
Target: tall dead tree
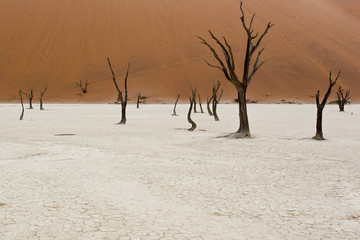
column 200, row 102
column 193, row 124
column 216, row 99
column 22, row 105
column 208, row 101
column 123, row 99
column 253, row 43
column 343, row 99
column 193, row 90
column 42, row 92
column 30, row 96
column 321, row 106
column 174, row 111
column 138, row 100
column 83, row 86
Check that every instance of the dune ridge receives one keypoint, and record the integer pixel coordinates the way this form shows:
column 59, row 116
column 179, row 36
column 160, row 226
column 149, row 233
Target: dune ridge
column 56, row 43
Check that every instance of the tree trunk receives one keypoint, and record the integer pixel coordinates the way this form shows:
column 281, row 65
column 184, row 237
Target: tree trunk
column 244, row 130
column 319, row 133
column 22, row 106
column 342, row 106
column 30, row 103
column 208, row 106
column 41, row 104
column 174, row 111
column 214, row 107
column 123, row 114
column 193, row 124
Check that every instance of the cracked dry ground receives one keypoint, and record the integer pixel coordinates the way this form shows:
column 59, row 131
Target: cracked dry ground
column 149, row 181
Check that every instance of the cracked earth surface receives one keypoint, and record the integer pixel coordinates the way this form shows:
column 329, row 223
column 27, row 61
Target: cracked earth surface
column 147, row 180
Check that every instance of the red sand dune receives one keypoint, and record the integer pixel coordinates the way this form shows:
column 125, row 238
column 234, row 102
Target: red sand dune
column 56, row 43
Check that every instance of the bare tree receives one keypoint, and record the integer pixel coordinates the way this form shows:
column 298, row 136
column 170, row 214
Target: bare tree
column 200, row 102
column 193, row 124
column 321, row 106
column 30, row 96
column 177, row 99
column 208, row 101
column 342, row 100
column 138, row 100
column 22, row 105
column 83, row 86
column 193, row 90
column 42, row 92
column 253, row 43
column 216, row 99
column 123, row 99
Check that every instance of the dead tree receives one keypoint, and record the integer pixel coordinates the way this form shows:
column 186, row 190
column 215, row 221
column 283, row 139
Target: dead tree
column 193, row 90
column 83, row 86
column 321, row 106
column 22, row 105
column 216, row 99
column 193, row 124
column 138, row 100
column 253, row 43
column 123, row 99
column 342, row 100
column 174, row 111
column 201, row 109
column 208, row 101
column 30, row 96
column 42, row 92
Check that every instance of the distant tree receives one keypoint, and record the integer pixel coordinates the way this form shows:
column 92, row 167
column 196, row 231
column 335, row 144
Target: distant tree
column 193, row 124
column 42, row 92
column 174, row 111
column 30, row 96
column 342, row 100
column 138, row 100
column 83, row 86
column 216, row 99
column 229, row 71
column 22, row 105
column 208, row 101
column 123, row 99
column 321, row 106
column 200, row 102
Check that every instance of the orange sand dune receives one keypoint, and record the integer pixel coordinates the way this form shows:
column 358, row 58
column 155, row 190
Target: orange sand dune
column 56, row 43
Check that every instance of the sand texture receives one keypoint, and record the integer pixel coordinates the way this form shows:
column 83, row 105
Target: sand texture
column 56, row 43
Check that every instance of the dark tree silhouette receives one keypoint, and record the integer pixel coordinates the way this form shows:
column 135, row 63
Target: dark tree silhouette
column 200, row 102
column 42, row 92
column 138, row 100
column 208, row 101
column 193, row 90
column 342, row 100
column 253, row 43
column 123, row 99
column 174, row 111
column 321, row 106
column 22, row 105
column 193, row 124
column 30, row 96
column 83, row 86
column 216, row 99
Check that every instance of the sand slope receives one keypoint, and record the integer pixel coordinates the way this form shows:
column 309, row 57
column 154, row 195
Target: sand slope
column 58, row 42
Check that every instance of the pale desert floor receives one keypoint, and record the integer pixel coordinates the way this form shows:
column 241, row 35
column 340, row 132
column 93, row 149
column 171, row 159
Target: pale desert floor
column 150, row 180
